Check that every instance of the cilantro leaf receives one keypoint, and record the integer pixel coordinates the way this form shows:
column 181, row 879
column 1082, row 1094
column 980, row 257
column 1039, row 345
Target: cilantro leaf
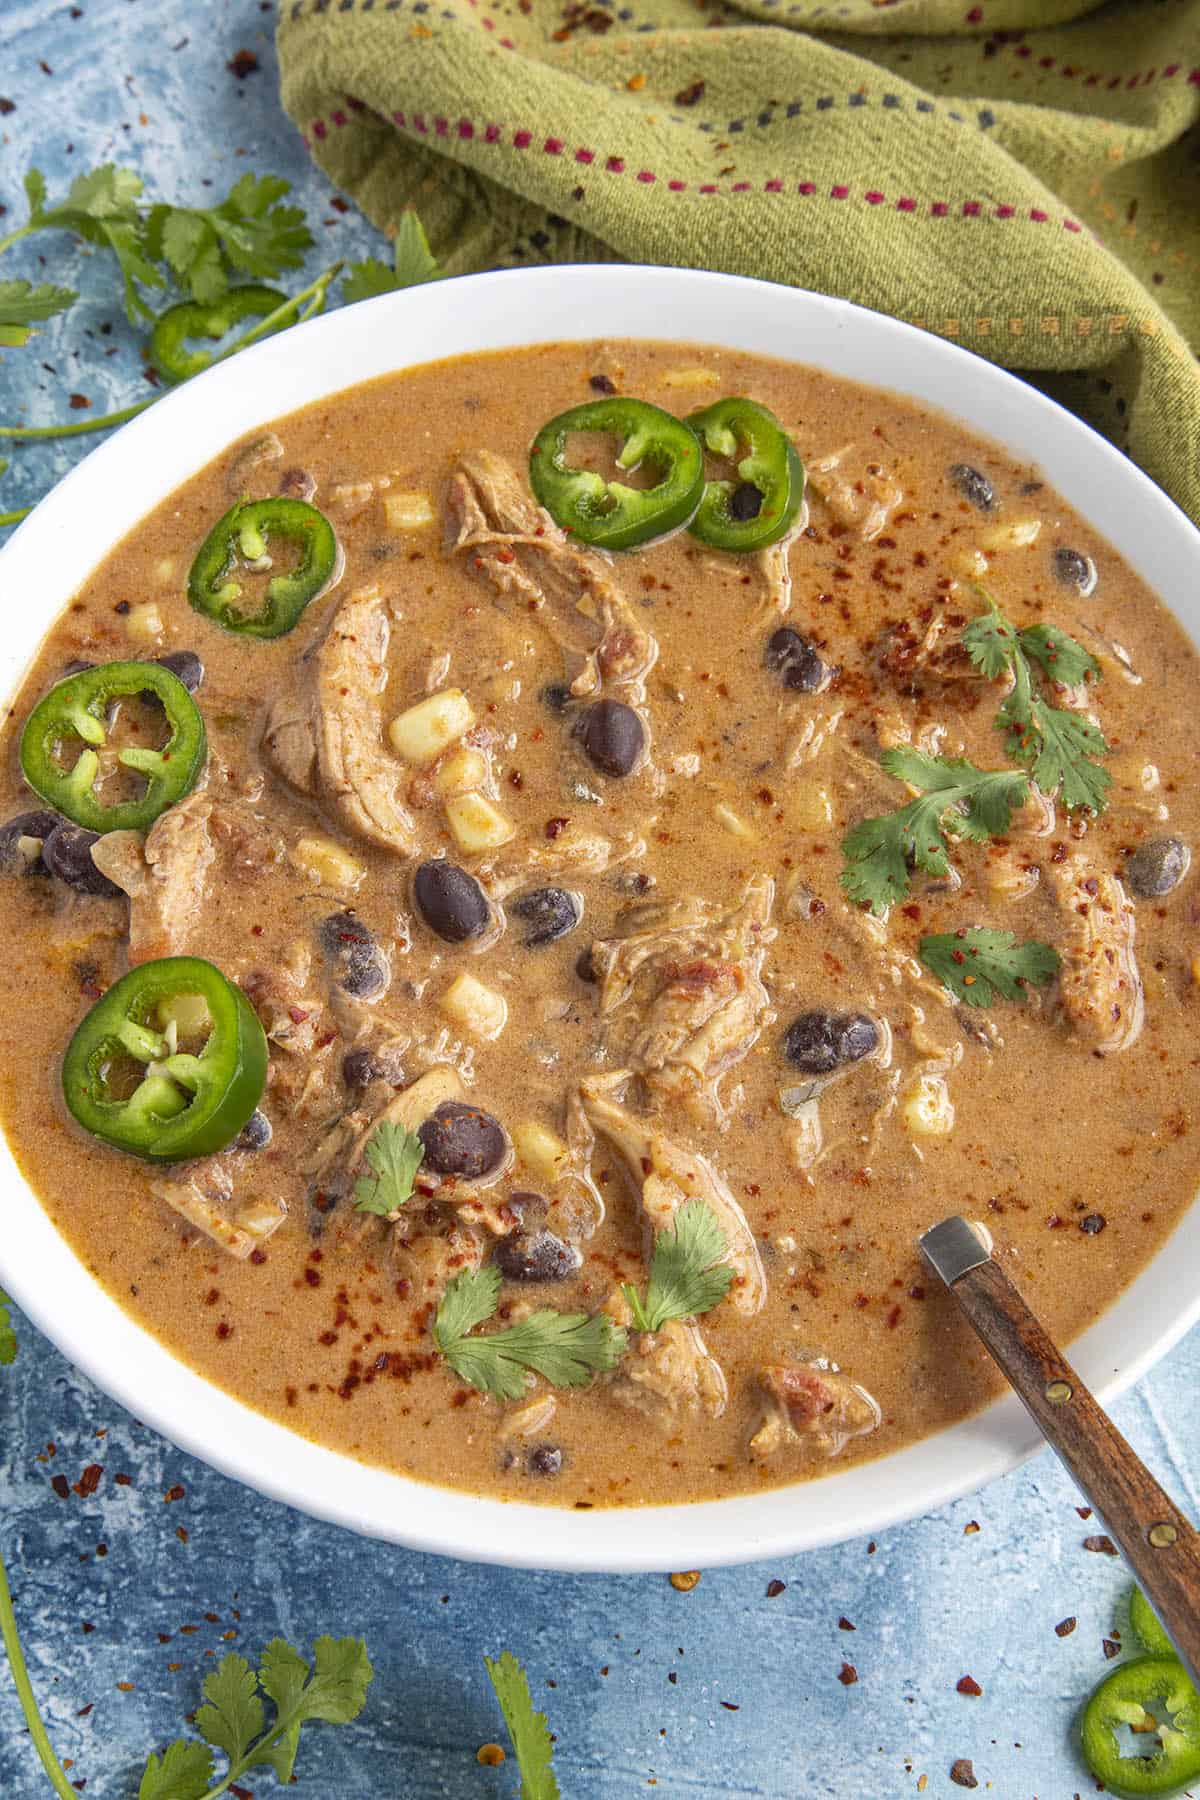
column 413, row 263
column 233, row 1714
column 22, row 306
column 1060, row 745
column 336, row 1689
column 393, row 1155
column 8, row 1337
column 687, row 1275
column 956, row 800
column 565, row 1348
column 529, row 1730
column 248, row 233
column 184, row 1773
column 101, row 207
column 976, row 964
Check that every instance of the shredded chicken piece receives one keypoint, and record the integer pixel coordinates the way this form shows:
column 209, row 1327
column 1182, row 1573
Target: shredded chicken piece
column 691, row 979
column 668, row 1372
column 857, row 490
column 428, row 1255
column 537, row 571
column 574, row 853
column 812, row 1404
column 1099, row 982
column 775, row 567
column 164, row 876
column 202, row 1194
column 328, row 742
column 808, row 734
column 668, row 1176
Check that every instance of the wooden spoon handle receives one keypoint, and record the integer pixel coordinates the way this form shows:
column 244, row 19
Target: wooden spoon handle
column 1160, row 1545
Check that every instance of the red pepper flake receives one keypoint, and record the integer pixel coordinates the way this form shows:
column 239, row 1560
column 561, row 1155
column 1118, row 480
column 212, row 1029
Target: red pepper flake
column 61, row 1486
column 174, row 1493
column 89, row 1481
column 602, row 384
column 848, row 1674
column 242, row 63
column 86, row 1627
column 123, row 1480
column 181, row 1534
column 893, row 1318
column 690, row 95
column 1111, row 1649
column 85, row 1710
column 1085, row 1512
column 125, row 1687
column 775, row 1588
column 845, row 1625
column 101, row 1549
column 971, row 1527
column 1103, row 1545
column 555, row 828
column 967, row 1684
column 730, row 1707
column 1065, row 1627
column 313, row 1277
column 79, row 402
column 962, row 1773
column 224, row 1330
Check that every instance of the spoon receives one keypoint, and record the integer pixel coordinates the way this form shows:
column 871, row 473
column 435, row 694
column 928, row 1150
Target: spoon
column 1159, row 1544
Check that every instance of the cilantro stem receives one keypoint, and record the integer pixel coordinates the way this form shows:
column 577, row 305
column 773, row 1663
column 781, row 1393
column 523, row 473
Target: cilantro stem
column 14, row 237
column 77, row 427
column 24, row 1687
column 14, row 518
column 304, row 305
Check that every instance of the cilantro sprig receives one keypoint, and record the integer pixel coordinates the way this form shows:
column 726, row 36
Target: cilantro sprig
column 8, row 1337
column 333, row 1689
column 977, row 964
column 1059, row 745
column 249, row 233
column 955, row 800
column 393, row 1156
column 529, row 1730
column 687, row 1273
column 413, row 263
column 22, row 306
column 566, row 1348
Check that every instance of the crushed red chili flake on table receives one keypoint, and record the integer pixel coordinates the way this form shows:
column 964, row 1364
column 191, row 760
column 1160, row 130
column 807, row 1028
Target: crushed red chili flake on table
column 848, row 1674
column 61, row 1486
column 845, row 1625
column 490, row 1755
column 967, row 1684
column 1085, row 1512
column 962, row 1773
column 775, row 1588
column 79, row 402
column 242, row 63
column 174, row 1493
column 730, row 1706
column 971, row 1527
column 1110, row 1649
column 89, row 1481
column 1102, row 1544
column 1065, row 1627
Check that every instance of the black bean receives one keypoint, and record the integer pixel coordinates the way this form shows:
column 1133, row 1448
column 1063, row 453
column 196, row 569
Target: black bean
column 819, row 1042
column 77, row 666
column 1157, row 867
column 1075, row 570
column 613, row 736
column 186, row 665
column 359, row 1069
column 362, row 969
column 745, row 502
column 67, row 854
column 463, row 1140
column 450, row 901
column 545, row 1459
column 255, row 1134
column 794, row 660
column 973, row 485
column 549, row 912
column 556, row 695
column 585, row 966
column 857, row 1036
column 535, row 1256
column 602, row 384
column 34, row 826
column 1093, row 1224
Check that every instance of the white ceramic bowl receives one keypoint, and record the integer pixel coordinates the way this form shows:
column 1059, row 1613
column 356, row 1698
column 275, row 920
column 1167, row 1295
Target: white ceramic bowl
column 58, row 546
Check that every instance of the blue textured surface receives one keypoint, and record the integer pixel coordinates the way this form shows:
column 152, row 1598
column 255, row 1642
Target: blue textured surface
column 722, row 1691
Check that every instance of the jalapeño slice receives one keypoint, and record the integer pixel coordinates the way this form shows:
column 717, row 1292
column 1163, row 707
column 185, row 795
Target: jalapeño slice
column 79, row 708
column 609, row 513
column 763, row 503
column 170, row 1064
column 1154, row 1697
column 245, row 535
column 205, row 319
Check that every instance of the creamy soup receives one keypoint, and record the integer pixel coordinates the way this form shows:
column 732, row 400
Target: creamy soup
column 529, row 860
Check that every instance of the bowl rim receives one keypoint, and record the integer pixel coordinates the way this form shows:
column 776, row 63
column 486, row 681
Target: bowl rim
column 72, row 529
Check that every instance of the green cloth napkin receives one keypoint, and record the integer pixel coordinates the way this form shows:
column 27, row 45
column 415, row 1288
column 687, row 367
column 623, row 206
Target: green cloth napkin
column 1023, row 178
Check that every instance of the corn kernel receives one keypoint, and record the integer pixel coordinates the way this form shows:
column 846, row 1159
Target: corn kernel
column 166, row 570
column 1014, row 536
column 323, row 860
column 431, row 726
column 477, row 1009
column 541, row 1150
column 463, row 773
column 477, row 824
column 408, row 512
column 929, row 1110
column 691, row 378
column 812, row 809
column 144, row 622
column 737, row 827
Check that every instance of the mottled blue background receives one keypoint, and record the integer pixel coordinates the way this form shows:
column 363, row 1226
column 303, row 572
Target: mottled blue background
column 719, row 1692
